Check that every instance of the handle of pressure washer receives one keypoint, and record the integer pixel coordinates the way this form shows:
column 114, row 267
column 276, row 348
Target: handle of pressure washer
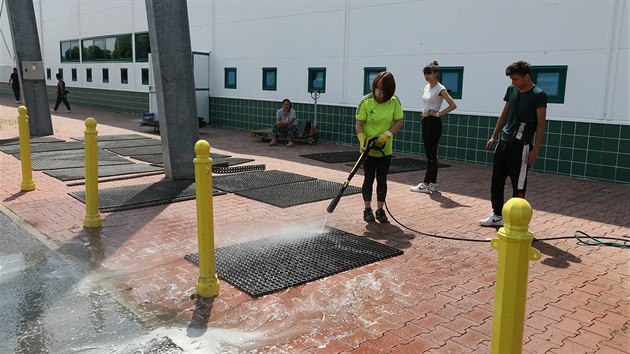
column 333, row 203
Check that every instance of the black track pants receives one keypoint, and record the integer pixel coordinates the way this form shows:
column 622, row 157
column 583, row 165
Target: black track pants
column 510, row 160
column 431, row 133
column 375, row 167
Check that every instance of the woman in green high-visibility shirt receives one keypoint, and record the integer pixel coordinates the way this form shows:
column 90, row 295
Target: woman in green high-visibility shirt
column 379, row 114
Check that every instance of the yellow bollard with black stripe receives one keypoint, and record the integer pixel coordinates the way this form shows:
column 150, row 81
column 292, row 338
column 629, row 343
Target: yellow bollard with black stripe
column 515, row 251
column 208, row 282
column 25, row 150
column 92, row 217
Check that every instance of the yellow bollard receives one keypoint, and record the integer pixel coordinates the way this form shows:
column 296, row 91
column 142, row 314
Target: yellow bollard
column 208, row 282
column 92, row 218
column 514, row 247
column 25, row 150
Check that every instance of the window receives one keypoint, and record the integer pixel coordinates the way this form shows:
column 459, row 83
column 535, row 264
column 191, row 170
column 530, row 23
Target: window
column 60, row 71
column 230, row 78
column 144, row 72
column 317, row 80
column 452, row 77
column 105, row 75
column 112, row 48
column 124, row 77
column 88, row 75
column 74, row 74
column 69, row 51
column 368, row 77
column 48, row 73
column 270, row 76
column 552, row 79
column 143, row 47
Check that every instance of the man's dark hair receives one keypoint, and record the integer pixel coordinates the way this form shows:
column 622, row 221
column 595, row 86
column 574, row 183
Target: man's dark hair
column 389, row 84
column 519, row 67
column 58, row 76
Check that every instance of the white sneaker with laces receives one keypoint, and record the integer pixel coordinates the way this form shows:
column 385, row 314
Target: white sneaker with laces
column 433, row 187
column 492, row 220
column 421, row 188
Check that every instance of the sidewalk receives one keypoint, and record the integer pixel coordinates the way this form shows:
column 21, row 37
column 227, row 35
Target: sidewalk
column 437, row 297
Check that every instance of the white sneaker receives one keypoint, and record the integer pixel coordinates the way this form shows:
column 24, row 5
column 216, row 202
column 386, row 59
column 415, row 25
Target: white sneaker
column 492, row 220
column 424, row 188
column 69, row 111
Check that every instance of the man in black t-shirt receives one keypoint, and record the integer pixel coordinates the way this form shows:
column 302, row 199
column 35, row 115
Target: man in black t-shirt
column 14, row 82
column 524, row 114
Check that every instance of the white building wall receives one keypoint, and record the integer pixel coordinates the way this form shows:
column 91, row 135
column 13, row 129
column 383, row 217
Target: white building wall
column 589, row 36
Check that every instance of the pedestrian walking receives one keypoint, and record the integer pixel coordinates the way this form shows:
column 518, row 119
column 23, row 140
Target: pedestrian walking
column 62, row 94
column 14, row 82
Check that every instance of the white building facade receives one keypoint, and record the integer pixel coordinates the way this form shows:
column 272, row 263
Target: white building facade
column 263, row 51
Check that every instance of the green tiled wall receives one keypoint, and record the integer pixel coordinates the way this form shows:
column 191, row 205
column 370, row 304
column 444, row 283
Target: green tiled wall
column 107, row 100
column 587, row 150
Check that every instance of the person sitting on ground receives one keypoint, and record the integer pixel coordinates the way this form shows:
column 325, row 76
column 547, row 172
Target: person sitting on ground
column 285, row 123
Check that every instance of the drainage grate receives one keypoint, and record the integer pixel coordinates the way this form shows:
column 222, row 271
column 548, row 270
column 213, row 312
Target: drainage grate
column 143, row 195
column 334, row 157
column 265, row 266
column 103, row 171
column 158, row 159
column 256, row 179
column 288, row 195
column 229, row 161
column 74, row 160
column 137, row 150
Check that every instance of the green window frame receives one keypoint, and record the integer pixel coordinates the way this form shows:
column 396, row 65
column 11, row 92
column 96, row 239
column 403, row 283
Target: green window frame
column 269, row 79
column 69, row 51
column 105, row 75
column 88, row 74
column 552, row 79
column 124, row 76
column 317, row 80
column 74, row 74
column 452, row 77
column 229, row 78
column 110, row 48
column 368, row 77
column 144, row 73
column 143, row 47
column 48, row 73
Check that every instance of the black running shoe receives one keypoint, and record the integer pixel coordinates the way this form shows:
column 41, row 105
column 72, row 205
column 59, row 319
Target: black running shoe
column 380, row 216
column 367, row 215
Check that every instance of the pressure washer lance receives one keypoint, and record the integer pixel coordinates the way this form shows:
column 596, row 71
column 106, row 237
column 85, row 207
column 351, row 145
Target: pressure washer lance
column 357, row 165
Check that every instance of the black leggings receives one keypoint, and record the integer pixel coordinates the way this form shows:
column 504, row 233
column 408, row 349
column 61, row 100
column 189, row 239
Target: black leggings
column 16, row 92
column 375, row 167
column 61, row 98
column 431, row 133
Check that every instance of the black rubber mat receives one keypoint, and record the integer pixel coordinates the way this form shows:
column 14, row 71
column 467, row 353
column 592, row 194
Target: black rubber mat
column 229, row 161
column 43, row 147
column 256, row 179
column 129, row 143
column 265, row 266
column 334, row 157
column 34, row 140
column 406, row 164
column 143, row 195
column 103, row 171
column 74, row 160
column 137, row 150
column 158, row 159
column 113, row 137
column 237, row 169
column 288, row 195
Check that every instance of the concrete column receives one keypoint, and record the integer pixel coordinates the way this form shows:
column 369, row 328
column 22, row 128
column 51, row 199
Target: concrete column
column 26, row 44
column 169, row 33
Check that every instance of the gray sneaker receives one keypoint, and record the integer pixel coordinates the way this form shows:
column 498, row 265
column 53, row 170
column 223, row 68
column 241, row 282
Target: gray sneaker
column 492, row 220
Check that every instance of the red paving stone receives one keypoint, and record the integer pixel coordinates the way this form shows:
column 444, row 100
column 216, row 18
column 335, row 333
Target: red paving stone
column 438, row 297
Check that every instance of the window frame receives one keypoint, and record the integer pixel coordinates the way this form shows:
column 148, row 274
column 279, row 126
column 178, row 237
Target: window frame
column 88, row 74
column 312, row 72
column 105, row 75
column 265, row 85
column 90, row 56
column 367, row 85
column 561, row 70
column 124, row 76
column 135, row 43
column 71, row 59
column 73, row 74
column 226, row 73
column 48, row 74
column 144, row 72
column 456, row 95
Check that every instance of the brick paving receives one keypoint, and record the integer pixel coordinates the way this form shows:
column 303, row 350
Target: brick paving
column 436, row 298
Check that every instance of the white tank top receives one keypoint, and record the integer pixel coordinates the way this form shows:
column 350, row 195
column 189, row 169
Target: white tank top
column 431, row 98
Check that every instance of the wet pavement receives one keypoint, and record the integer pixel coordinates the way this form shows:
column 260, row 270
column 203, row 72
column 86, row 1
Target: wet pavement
column 436, row 297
